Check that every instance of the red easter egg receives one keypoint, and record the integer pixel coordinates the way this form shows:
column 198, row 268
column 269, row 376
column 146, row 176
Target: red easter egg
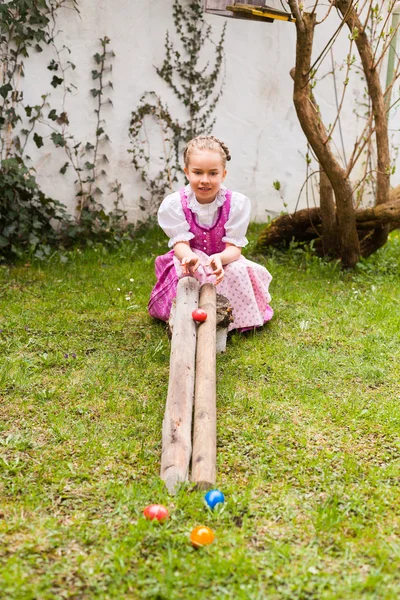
column 199, row 315
column 156, row 512
column 201, row 536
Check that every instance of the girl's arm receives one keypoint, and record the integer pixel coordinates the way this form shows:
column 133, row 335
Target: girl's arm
column 190, row 262
column 230, row 254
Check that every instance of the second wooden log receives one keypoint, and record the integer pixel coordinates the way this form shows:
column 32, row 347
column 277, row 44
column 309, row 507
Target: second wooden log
column 177, row 423
column 205, row 411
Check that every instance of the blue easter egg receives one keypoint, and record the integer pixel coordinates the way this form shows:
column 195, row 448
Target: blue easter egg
column 214, row 497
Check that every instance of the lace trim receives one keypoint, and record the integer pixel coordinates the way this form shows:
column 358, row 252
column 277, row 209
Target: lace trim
column 181, row 237
column 238, row 241
column 204, row 209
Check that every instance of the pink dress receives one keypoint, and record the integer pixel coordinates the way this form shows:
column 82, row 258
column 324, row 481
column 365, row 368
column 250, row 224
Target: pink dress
column 245, row 282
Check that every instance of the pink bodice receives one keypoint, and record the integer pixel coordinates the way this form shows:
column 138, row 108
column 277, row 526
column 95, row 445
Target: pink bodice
column 207, row 239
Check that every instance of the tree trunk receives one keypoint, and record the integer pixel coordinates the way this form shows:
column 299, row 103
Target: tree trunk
column 351, row 18
column 329, row 228
column 364, row 48
column 316, row 133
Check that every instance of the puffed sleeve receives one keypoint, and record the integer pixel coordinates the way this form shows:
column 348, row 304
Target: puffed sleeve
column 238, row 222
column 171, row 219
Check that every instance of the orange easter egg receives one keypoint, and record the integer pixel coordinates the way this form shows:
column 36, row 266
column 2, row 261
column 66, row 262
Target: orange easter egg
column 201, row 536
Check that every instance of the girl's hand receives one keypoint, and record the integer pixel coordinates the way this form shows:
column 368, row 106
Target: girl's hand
column 216, row 264
column 190, row 264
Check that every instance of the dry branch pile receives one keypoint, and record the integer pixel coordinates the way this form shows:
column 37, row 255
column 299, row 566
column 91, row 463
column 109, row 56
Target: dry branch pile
column 306, row 225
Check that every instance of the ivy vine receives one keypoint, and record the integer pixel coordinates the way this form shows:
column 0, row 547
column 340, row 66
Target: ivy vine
column 24, row 27
column 89, row 159
column 197, row 87
column 27, row 215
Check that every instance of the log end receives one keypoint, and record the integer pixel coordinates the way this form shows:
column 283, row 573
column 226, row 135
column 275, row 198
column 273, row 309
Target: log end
column 204, row 485
column 172, row 481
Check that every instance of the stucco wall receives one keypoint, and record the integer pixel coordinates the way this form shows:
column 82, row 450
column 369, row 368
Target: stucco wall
column 255, row 115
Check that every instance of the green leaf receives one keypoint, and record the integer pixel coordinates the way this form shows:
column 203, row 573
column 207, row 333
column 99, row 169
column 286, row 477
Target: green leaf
column 64, row 168
column 5, row 89
column 56, row 81
column 58, row 139
column 53, row 65
column 277, row 185
column 53, row 115
column 63, row 119
column 38, row 140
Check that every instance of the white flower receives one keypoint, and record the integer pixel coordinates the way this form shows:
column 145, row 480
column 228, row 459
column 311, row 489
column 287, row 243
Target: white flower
column 118, row 289
column 132, row 280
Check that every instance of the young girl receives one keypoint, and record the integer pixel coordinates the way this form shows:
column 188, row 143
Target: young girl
column 207, row 225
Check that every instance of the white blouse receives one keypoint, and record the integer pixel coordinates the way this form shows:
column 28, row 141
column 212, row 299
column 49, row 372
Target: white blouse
column 172, row 220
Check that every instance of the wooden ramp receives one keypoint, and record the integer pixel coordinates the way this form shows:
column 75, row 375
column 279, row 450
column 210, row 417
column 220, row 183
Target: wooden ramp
column 192, row 379
column 177, row 424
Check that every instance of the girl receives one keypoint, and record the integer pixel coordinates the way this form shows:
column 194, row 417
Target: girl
column 207, row 225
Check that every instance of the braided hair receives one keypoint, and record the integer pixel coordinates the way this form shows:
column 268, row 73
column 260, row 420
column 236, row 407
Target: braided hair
column 206, row 142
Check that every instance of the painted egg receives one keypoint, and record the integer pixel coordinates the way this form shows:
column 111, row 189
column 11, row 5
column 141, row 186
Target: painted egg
column 199, row 315
column 214, row 497
column 156, row 512
column 201, row 536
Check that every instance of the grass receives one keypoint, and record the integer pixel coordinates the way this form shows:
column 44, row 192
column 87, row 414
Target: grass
column 308, row 436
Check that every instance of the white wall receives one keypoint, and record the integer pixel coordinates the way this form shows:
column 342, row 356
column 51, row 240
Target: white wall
column 255, row 115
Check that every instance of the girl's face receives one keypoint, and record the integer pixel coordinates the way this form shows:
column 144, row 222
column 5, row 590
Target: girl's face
column 205, row 173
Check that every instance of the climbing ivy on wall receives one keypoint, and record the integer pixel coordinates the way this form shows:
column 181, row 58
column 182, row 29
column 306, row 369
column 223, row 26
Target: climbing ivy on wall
column 27, row 216
column 196, row 85
column 89, row 159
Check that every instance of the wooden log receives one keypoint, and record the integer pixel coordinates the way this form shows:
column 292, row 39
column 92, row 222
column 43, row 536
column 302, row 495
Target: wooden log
column 205, row 410
column 177, row 423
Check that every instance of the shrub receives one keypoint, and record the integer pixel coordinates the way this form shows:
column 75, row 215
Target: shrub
column 29, row 220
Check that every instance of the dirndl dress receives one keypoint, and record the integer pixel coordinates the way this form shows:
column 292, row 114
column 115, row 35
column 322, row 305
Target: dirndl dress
column 245, row 282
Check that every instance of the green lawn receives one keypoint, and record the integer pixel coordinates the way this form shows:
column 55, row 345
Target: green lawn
column 308, row 436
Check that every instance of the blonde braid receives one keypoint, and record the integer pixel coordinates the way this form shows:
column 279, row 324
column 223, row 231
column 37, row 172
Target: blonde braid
column 223, row 146
column 206, row 142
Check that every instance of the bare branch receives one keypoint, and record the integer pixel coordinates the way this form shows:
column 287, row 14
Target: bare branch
column 294, row 7
column 330, row 42
column 302, row 188
column 314, row 7
column 358, row 146
column 386, row 47
column 381, row 34
column 331, row 5
column 339, row 108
